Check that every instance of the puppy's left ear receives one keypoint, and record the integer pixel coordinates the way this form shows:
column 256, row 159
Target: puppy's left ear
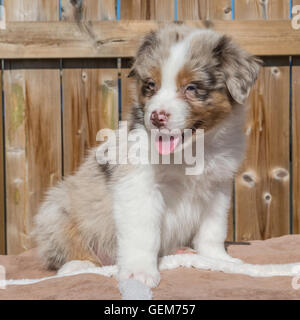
column 132, row 73
column 240, row 68
column 145, row 51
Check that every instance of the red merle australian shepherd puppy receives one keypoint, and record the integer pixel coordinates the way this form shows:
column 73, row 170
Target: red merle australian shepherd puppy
column 132, row 214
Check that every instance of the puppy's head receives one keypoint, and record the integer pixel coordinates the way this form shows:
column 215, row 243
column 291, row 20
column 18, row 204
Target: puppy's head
column 190, row 78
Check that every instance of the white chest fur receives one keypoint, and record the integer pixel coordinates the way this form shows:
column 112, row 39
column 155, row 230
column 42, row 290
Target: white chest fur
column 185, row 199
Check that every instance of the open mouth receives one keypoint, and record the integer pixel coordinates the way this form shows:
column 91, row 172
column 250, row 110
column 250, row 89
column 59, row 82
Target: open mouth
column 170, row 142
column 167, row 143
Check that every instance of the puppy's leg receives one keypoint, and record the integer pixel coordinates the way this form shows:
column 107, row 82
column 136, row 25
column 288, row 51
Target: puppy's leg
column 59, row 239
column 209, row 241
column 79, row 257
column 138, row 205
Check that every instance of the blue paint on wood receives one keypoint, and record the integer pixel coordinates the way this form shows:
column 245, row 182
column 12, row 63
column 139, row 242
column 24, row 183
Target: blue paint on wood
column 175, row 10
column 1, row 10
column 233, row 9
column 118, row 9
column 59, row 8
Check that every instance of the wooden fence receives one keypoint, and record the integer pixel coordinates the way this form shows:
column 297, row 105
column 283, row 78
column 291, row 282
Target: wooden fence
column 64, row 68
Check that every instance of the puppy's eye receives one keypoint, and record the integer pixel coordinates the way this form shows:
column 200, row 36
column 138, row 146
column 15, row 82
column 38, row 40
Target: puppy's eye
column 150, row 85
column 190, row 88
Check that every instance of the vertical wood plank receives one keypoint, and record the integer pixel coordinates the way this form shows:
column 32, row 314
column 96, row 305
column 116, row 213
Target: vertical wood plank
column 88, row 10
column 192, row 9
column 134, row 10
column 204, row 9
column 90, row 103
column 147, row 10
column 262, row 9
column 296, row 139
column 296, row 144
column 90, row 92
column 2, row 194
column 33, row 143
column 262, row 185
column 32, row 129
column 31, row 10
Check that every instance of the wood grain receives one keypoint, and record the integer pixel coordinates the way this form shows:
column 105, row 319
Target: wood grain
column 90, row 103
column 120, row 38
column 32, row 141
column 90, row 93
column 262, row 9
column 147, row 10
column 296, row 140
column 262, row 186
column 296, row 144
column 2, row 182
column 32, row 130
column 204, row 9
column 31, row 10
column 88, row 10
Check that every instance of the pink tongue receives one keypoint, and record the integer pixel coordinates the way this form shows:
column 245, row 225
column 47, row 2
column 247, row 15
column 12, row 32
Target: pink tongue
column 166, row 145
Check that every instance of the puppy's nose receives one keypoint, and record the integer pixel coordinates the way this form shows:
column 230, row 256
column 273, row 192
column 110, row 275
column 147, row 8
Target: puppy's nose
column 159, row 119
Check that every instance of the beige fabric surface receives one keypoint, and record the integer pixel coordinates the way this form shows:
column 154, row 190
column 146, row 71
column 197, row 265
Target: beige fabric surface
column 181, row 283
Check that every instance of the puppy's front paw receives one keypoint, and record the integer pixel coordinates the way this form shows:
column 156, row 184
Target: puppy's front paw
column 218, row 254
column 226, row 257
column 150, row 277
column 234, row 260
